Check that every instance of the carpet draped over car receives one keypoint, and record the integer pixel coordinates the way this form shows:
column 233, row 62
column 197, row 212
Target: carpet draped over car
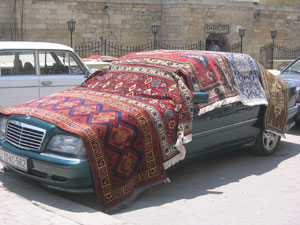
column 136, row 118
column 133, row 121
column 226, row 77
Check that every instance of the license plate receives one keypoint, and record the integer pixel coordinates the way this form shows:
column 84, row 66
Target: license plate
column 14, row 160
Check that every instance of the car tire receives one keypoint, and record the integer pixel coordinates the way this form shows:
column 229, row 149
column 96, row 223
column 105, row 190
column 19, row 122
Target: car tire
column 266, row 143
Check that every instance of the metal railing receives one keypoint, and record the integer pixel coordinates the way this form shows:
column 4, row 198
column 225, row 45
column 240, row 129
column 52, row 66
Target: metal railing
column 269, row 53
column 234, row 48
column 104, row 47
column 195, row 46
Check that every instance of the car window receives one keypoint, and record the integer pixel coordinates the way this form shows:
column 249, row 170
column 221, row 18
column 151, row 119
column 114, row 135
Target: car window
column 295, row 67
column 58, row 62
column 17, row 63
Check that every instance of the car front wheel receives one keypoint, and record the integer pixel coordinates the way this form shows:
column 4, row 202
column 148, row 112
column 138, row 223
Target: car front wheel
column 266, row 143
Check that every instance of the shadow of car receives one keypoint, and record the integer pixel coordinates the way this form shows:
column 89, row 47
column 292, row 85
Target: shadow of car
column 119, row 131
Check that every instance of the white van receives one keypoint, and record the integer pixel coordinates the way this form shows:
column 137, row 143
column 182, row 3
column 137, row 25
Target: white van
column 30, row 70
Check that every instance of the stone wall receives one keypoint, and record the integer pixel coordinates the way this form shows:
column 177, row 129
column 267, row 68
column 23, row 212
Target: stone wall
column 189, row 18
column 46, row 20
column 5, row 33
column 128, row 22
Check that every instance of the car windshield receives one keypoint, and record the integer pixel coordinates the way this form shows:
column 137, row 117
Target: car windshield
column 294, row 68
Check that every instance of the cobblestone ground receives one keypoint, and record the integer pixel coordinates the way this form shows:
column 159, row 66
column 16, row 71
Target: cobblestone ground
column 18, row 210
column 22, row 202
column 14, row 210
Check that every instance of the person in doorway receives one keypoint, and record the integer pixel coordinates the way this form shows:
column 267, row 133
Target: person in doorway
column 214, row 47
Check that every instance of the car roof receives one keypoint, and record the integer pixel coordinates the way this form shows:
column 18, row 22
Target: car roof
column 26, row 45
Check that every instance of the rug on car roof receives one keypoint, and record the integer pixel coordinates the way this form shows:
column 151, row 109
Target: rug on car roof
column 226, row 77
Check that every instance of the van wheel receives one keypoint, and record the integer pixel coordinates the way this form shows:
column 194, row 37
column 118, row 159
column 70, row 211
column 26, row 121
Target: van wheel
column 266, row 143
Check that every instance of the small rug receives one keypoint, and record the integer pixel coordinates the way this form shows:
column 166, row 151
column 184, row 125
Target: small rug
column 246, row 74
column 275, row 117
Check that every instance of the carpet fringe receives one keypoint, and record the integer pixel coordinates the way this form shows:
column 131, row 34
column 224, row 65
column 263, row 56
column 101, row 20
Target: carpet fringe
column 274, row 132
column 133, row 197
column 219, row 104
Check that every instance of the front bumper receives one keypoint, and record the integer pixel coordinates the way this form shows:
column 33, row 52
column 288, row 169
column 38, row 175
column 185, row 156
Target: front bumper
column 52, row 171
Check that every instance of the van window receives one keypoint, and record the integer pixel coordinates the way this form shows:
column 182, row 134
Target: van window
column 17, row 63
column 58, row 62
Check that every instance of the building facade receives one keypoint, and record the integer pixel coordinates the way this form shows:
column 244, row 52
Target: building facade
column 128, row 22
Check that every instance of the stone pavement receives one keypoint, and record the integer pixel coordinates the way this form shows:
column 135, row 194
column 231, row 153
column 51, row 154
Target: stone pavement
column 22, row 202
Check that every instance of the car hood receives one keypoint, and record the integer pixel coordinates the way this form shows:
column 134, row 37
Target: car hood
column 290, row 77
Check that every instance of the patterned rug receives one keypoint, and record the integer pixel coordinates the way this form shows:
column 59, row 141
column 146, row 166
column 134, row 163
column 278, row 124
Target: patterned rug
column 246, row 74
column 227, row 77
column 133, row 122
column 202, row 71
column 277, row 94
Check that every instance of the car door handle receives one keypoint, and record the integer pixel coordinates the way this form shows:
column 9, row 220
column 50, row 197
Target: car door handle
column 46, row 82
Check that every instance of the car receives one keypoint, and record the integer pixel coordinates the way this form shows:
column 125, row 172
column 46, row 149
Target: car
column 98, row 62
column 292, row 73
column 30, row 70
column 121, row 129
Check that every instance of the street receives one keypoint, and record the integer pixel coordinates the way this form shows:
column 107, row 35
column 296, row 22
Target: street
column 236, row 188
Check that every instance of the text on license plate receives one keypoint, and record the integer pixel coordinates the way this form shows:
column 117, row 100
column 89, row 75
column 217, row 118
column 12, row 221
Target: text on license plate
column 14, row 160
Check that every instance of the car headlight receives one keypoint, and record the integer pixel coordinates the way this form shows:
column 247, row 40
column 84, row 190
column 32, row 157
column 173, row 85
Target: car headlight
column 66, row 144
column 3, row 124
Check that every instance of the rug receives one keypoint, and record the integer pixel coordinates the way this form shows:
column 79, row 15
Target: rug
column 246, row 75
column 133, row 122
column 201, row 70
column 162, row 93
column 275, row 117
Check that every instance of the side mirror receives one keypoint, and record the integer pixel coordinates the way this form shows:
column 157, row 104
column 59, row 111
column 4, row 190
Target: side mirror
column 200, row 97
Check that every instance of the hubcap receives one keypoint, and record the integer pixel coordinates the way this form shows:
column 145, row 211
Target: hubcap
column 270, row 140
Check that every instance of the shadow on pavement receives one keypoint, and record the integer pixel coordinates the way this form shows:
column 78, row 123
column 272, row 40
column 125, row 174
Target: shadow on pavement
column 197, row 178
column 188, row 180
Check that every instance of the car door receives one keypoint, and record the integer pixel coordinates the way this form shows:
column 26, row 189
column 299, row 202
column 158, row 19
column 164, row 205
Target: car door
column 211, row 131
column 58, row 71
column 247, row 122
column 18, row 77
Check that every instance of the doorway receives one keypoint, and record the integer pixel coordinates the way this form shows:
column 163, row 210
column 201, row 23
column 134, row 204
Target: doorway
column 219, row 39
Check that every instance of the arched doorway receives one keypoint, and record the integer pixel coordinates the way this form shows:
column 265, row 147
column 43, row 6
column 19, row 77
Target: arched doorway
column 220, row 39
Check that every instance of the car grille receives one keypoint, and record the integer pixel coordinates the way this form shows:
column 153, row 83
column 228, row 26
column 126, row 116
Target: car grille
column 24, row 136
